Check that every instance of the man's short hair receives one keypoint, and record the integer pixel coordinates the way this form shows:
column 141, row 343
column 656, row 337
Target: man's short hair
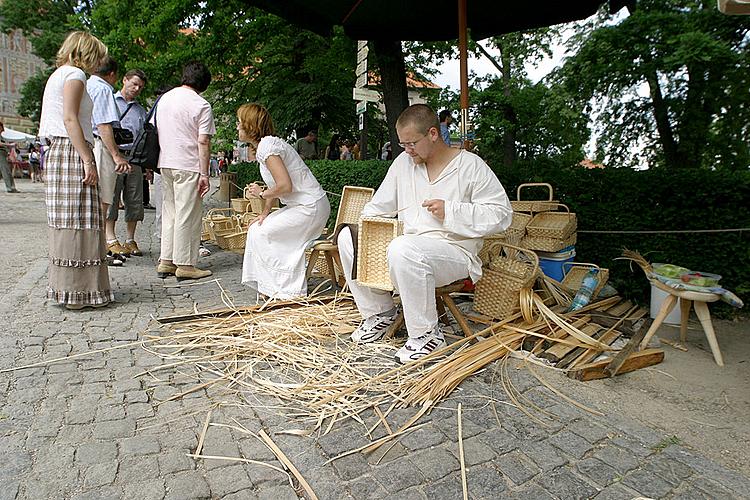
column 107, row 66
column 135, row 72
column 419, row 116
column 196, row 75
column 312, row 132
column 443, row 115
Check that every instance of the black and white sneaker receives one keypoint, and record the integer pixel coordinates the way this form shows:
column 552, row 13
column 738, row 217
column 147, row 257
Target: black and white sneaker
column 373, row 328
column 419, row 347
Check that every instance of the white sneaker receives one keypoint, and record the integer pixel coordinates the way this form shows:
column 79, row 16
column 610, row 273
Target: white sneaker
column 373, row 328
column 419, row 347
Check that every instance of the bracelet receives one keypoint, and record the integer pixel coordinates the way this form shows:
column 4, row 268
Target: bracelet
column 204, row 175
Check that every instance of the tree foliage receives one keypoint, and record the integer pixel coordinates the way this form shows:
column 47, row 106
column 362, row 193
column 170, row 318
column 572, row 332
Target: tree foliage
column 670, row 82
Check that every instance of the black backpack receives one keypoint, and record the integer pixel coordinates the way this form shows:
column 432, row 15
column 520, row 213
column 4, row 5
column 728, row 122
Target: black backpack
column 145, row 150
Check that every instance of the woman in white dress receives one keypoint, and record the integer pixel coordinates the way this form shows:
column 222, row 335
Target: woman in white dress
column 275, row 251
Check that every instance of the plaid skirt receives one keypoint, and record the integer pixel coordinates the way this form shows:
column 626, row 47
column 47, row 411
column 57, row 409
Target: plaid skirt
column 78, row 271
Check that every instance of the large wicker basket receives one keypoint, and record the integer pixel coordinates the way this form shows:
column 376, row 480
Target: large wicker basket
column 232, row 241
column 548, row 244
column 509, row 270
column 353, row 200
column 558, row 225
column 521, row 205
column 375, row 234
column 576, row 271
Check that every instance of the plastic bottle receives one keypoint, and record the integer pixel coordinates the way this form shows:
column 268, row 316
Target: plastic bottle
column 584, row 294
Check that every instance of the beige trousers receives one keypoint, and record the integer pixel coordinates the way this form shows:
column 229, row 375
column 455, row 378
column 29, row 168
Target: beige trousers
column 181, row 217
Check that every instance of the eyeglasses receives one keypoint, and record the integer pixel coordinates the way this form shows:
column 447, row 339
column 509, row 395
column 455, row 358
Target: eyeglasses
column 411, row 145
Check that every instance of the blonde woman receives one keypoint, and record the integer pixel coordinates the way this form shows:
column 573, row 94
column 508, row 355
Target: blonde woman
column 275, row 250
column 78, row 275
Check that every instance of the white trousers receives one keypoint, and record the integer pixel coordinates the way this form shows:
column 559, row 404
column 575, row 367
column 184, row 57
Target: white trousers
column 181, row 217
column 417, row 265
column 157, row 203
column 274, row 260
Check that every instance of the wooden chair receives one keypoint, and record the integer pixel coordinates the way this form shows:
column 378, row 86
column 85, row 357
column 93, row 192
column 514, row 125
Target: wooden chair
column 443, row 299
column 353, row 200
column 687, row 298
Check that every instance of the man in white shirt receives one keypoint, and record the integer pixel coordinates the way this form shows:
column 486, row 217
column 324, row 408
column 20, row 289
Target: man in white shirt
column 448, row 200
column 109, row 160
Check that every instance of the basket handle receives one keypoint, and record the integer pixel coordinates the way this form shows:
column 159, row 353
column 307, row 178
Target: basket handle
column 580, row 264
column 530, row 184
column 247, row 195
column 525, row 251
column 217, row 211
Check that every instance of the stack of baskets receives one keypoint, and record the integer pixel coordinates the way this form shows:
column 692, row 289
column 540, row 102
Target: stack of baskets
column 549, row 225
column 226, row 227
column 508, row 270
column 551, row 231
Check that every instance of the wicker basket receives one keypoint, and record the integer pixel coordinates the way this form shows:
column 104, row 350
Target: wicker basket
column 533, row 205
column 575, row 273
column 217, row 219
column 232, row 241
column 353, row 200
column 240, row 205
column 246, row 219
column 375, row 234
column 510, row 269
column 256, row 203
column 548, row 244
column 512, row 235
column 559, row 225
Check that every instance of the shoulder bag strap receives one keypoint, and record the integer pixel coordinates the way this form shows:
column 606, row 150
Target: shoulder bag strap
column 126, row 110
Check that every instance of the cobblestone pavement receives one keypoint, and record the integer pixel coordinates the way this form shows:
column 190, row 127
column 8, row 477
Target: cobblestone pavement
column 87, row 429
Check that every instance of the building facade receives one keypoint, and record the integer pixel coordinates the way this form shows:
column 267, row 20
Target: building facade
column 17, row 64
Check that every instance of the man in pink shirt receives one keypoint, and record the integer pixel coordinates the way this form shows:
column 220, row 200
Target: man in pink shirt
column 186, row 123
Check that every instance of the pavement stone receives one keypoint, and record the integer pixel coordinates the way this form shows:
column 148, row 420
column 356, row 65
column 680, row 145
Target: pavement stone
column 647, row 483
column 90, row 428
column 187, row 485
column 485, row 481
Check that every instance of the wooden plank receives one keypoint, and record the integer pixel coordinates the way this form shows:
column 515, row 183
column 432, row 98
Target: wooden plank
column 620, row 309
column 558, row 351
column 614, row 366
column 607, row 337
column 635, row 361
column 575, row 353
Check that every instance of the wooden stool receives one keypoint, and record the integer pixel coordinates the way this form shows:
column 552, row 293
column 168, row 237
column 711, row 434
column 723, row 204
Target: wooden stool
column 443, row 299
column 687, row 299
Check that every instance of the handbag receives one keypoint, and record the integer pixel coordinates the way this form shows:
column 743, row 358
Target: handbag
column 145, row 150
column 123, row 135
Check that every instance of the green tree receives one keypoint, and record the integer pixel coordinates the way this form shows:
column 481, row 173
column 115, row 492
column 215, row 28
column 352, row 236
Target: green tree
column 669, row 83
column 546, row 123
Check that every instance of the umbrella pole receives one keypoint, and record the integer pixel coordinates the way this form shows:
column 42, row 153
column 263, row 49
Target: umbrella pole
column 463, row 71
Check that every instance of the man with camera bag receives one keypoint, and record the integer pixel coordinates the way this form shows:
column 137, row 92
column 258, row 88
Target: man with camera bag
column 130, row 186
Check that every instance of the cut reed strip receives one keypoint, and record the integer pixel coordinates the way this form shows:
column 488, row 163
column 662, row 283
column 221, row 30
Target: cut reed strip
column 288, row 463
column 464, row 485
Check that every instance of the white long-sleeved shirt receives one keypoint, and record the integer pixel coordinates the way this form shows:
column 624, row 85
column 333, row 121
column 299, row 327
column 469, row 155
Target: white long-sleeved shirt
column 475, row 202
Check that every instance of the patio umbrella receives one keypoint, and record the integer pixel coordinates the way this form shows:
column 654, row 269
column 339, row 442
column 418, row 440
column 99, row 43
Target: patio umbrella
column 432, row 20
column 17, row 136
